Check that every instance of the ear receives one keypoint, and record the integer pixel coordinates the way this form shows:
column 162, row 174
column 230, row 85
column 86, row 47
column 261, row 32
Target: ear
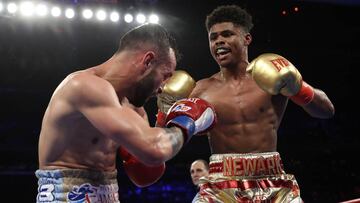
column 248, row 39
column 148, row 58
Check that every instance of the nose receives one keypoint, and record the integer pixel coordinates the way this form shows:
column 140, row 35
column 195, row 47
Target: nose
column 219, row 41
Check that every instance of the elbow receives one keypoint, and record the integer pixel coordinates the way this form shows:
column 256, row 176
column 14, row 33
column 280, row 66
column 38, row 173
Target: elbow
column 322, row 107
column 155, row 156
column 153, row 160
column 157, row 150
column 327, row 113
column 331, row 111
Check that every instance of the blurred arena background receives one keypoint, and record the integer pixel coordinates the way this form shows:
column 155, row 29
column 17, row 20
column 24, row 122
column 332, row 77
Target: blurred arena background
column 321, row 37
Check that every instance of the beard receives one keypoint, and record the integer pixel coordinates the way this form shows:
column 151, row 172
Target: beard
column 144, row 90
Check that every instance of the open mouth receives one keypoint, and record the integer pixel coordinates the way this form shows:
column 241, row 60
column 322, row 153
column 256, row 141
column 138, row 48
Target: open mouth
column 222, row 52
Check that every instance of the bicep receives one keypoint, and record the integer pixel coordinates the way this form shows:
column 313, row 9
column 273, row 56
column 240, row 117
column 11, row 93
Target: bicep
column 116, row 122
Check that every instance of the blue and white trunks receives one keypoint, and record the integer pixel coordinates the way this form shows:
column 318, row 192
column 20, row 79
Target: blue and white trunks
column 77, row 186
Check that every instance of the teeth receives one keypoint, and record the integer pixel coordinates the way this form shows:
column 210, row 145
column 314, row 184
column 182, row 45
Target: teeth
column 221, row 51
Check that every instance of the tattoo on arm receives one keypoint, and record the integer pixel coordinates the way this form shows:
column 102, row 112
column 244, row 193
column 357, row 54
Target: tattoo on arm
column 176, row 138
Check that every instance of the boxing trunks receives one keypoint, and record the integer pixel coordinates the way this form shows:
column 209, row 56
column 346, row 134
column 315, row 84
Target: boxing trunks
column 76, row 186
column 247, row 178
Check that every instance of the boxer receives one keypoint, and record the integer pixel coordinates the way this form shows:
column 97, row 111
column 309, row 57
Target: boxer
column 250, row 100
column 95, row 111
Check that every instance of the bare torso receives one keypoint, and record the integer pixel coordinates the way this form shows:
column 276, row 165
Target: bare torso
column 68, row 139
column 248, row 118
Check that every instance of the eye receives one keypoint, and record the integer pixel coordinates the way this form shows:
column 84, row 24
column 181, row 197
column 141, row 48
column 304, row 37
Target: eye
column 212, row 37
column 226, row 34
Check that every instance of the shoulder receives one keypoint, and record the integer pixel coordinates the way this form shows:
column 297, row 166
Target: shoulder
column 80, row 82
column 209, row 81
column 83, row 86
column 204, row 84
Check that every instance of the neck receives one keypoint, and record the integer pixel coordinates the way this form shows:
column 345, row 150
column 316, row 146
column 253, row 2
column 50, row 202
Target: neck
column 234, row 72
column 118, row 73
column 237, row 69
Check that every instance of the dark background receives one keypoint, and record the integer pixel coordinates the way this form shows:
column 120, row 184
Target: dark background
column 321, row 40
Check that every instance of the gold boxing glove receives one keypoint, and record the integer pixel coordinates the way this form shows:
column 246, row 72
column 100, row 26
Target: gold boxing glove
column 179, row 86
column 275, row 74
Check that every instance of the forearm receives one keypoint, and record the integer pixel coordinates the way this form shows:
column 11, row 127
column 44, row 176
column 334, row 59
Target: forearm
column 174, row 141
column 320, row 106
column 165, row 145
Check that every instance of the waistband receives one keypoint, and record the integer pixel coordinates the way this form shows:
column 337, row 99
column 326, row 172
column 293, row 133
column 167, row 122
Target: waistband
column 251, row 184
column 77, row 175
column 246, row 165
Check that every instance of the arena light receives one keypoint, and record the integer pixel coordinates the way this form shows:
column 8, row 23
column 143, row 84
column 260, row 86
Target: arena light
column 101, row 15
column 153, row 18
column 114, row 16
column 55, row 11
column 87, row 13
column 41, row 10
column 69, row 13
column 27, row 8
column 128, row 18
column 140, row 18
column 12, row 8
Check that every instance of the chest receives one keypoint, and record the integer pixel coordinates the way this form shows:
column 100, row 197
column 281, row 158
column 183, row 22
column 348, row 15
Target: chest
column 241, row 102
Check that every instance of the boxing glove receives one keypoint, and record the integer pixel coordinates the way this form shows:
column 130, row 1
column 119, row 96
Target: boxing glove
column 192, row 115
column 179, row 86
column 275, row 74
column 140, row 174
